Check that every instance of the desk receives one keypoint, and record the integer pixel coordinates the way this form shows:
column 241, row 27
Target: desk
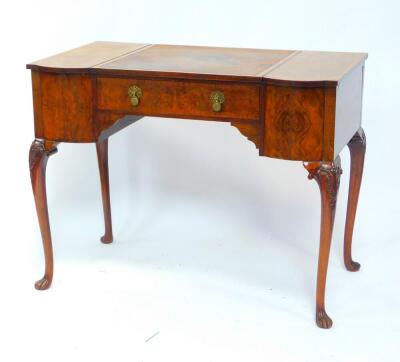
column 293, row 105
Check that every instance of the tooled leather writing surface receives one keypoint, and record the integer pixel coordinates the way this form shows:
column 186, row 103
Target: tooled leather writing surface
column 199, row 60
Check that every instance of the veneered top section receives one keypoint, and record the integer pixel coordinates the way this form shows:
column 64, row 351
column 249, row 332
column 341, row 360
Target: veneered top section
column 86, row 56
column 308, row 66
column 194, row 62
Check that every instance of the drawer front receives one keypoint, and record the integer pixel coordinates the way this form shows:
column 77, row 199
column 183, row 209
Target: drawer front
column 186, row 99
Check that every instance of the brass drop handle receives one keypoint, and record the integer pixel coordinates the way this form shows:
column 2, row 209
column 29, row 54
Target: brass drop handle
column 217, row 98
column 134, row 93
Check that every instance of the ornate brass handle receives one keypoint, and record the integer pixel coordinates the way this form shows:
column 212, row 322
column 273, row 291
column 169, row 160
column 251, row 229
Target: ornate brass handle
column 217, row 98
column 134, row 93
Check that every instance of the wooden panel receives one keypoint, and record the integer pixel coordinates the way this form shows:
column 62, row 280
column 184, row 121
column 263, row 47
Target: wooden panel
column 66, row 107
column 199, row 60
column 307, row 66
column 294, row 119
column 86, row 56
column 179, row 99
column 348, row 108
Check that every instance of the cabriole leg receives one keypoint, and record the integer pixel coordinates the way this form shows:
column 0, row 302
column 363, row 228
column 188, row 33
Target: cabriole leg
column 327, row 175
column 38, row 155
column 357, row 147
column 102, row 157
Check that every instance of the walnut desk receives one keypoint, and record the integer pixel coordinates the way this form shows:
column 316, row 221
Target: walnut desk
column 293, row 105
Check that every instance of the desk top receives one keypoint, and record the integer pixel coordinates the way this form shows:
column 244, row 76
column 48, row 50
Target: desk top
column 195, row 62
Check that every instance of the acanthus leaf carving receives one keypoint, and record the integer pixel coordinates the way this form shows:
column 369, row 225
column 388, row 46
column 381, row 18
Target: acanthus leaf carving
column 38, row 149
column 327, row 173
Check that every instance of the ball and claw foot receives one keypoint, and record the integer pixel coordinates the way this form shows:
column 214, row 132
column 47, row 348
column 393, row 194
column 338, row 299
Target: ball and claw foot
column 353, row 266
column 323, row 320
column 106, row 239
column 43, row 283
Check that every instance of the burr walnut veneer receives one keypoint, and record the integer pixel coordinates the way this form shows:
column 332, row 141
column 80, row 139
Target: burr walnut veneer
column 293, row 105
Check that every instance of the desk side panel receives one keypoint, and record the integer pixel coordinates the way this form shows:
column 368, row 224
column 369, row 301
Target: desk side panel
column 348, row 107
column 63, row 107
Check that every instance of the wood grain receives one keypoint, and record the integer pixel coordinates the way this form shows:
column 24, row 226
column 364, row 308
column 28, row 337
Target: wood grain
column 66, row 108
column 294, row 121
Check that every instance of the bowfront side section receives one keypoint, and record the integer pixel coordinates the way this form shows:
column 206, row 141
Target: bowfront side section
column 308, row 122
column 294, row 122
column 63, row 106
column 302, row 123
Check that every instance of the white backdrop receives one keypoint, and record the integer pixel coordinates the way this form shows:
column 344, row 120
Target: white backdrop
column 215, row 248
